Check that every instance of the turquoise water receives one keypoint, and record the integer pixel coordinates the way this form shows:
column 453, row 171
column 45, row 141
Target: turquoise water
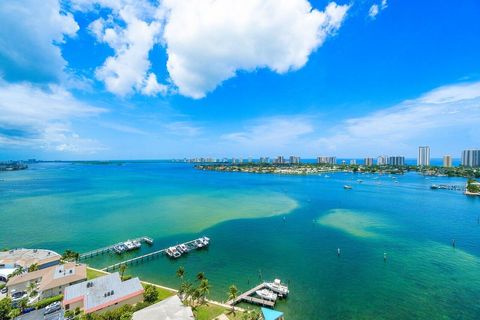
column 266, row 226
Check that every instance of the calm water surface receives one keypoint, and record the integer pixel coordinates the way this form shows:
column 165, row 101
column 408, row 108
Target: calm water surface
column 266, row 226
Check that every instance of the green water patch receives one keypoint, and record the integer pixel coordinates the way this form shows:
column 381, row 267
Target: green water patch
column 112, row 216
column 354, row 223
column 192, row 213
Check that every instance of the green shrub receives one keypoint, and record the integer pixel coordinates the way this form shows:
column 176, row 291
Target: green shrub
column 45, row 302
column 151, row 294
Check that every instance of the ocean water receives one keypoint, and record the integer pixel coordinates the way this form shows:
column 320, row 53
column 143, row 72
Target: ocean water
column 266, row 227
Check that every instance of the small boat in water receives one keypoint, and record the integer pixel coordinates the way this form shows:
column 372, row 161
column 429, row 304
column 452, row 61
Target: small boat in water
column 172, row 252
column 347, row 187
column 120, row 248
column 266, row 294
column 148, row 240
column 278, row 287
column 205, row 240
column 199, row 243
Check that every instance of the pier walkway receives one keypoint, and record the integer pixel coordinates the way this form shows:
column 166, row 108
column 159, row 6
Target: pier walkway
column 247, row 298
column 103, row 250
column 148, row 256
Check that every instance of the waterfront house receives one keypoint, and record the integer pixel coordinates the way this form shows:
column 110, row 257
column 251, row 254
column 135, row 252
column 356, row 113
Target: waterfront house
column 102, row 294
column 168, row 309
column 49, row 282
column 11, row 260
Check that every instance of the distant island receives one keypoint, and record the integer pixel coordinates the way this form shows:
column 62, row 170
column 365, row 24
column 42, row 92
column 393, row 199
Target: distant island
column 323, row 168
column 12, row 166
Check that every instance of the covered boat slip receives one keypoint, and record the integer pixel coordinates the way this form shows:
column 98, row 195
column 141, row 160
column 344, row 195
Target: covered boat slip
column 269, row 314
column 276, row 288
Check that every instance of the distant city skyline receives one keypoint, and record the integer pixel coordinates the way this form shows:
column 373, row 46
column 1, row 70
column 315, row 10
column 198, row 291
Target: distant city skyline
column 101, row 80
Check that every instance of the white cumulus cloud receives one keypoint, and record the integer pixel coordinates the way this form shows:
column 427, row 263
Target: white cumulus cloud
column 206, row 41
column 131, row 32
column 30, row 32
column 210, row 41
column 40, row 118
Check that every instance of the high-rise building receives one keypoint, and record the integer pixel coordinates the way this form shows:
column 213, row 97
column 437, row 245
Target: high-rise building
column 368, row 161
column 382, row 160
column 423, row 156
column 447, row 161
column 396, row 161
column 294, row 160
column 471, row 158
column 280, row 160
column 353, row 162
column 327, row 160
column 264, row 160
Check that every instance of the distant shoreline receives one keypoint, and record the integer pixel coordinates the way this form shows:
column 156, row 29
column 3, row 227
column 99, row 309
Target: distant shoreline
column 312, row 169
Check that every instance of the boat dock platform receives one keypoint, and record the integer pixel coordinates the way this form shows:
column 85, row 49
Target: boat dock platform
column 189, row 244
column 246, row 297
column 103, row 250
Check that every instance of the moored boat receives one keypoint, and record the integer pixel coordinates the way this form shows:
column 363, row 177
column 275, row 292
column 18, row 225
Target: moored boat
column 266, row 294
column 172, row 252
column 278, row 287
column 199, row 243
column 347, row 187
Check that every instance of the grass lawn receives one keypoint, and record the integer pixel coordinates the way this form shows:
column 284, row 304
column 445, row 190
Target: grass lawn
column 92, row 274
column 210, row 311
column 163, row 293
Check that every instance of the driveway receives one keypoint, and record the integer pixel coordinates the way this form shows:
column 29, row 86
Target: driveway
column 38, row 315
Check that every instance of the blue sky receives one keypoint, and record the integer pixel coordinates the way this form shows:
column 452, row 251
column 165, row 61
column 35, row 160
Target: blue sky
column 124, row 79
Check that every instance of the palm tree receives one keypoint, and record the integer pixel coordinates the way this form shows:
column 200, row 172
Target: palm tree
column 204, row 290
column 33, row 267
column 70, row 255
column 232, row 295
column 32, row 289
column 181, row 272
column 201, row 276
column 17, row 272
column 23, row 304
column 185, row 289
column 122, row 269
column 194, row 296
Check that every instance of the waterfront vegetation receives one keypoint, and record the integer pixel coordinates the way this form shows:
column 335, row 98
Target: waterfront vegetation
column 94, row 273
column 313, row 168
column 70, row 255
column 473, row 186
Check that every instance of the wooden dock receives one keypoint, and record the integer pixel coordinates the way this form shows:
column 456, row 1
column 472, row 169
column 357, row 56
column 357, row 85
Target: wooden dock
column 246, row 297
column 145, row 257
column 103, row 250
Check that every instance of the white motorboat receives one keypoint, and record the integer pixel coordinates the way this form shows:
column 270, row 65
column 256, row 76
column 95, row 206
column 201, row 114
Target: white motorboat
column 120, row 248
column 266, row 294
column 136, row 244
column 172, row 252
column 278, row 287
column 183, row 248
column 205, row 241
column 199, row 243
